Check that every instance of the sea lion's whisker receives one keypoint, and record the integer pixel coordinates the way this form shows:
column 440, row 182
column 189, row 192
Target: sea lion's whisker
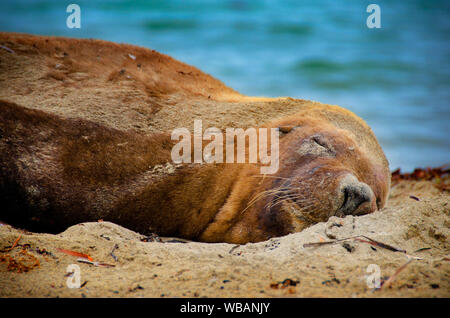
column 275, row 191
column 288, row 196
column 273, row 204
column 270, row 191
column 266, row 176
column 261, row 195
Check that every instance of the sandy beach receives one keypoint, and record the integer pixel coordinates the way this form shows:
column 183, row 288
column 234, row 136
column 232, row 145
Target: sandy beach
column 156, row 269
column 119, row 86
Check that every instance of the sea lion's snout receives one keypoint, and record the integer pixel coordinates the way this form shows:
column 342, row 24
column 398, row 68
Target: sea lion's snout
column 357, row 197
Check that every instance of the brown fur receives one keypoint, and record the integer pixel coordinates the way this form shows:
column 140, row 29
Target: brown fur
column 104, row 151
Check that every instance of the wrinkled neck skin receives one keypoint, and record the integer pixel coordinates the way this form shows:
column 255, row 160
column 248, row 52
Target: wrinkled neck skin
column 323, row 172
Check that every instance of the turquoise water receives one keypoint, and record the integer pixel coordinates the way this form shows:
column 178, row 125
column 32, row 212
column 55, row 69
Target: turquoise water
column 397, row 78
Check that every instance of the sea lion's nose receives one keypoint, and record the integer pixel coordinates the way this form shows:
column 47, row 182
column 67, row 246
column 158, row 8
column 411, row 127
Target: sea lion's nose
column 358, row 199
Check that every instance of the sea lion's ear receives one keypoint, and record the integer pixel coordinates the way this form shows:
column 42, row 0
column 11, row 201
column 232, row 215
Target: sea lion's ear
column 286, row 129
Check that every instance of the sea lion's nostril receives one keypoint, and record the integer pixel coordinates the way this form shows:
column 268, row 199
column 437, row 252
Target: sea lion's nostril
column 354, row 197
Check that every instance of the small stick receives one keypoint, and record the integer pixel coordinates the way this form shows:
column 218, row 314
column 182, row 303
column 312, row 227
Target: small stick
column 423, row 249
column 7, row 49
column 233, row 248
column 382, row 245
column 358, row 238
column 328, row 242
column 15, row 242
column 401, row 268
column 84, row 284
column 112, row 252
column 73, row 253
column 174, row 240
column 98, row 264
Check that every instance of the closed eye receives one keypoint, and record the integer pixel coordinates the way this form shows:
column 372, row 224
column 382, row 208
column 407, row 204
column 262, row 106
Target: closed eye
column 316, row 145
column 319, row 140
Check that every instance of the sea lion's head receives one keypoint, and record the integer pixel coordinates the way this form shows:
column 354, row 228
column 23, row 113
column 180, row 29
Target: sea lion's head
column 330, row 165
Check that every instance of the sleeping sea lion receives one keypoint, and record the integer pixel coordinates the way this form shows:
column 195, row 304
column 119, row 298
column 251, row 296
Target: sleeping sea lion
column 63, row 164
